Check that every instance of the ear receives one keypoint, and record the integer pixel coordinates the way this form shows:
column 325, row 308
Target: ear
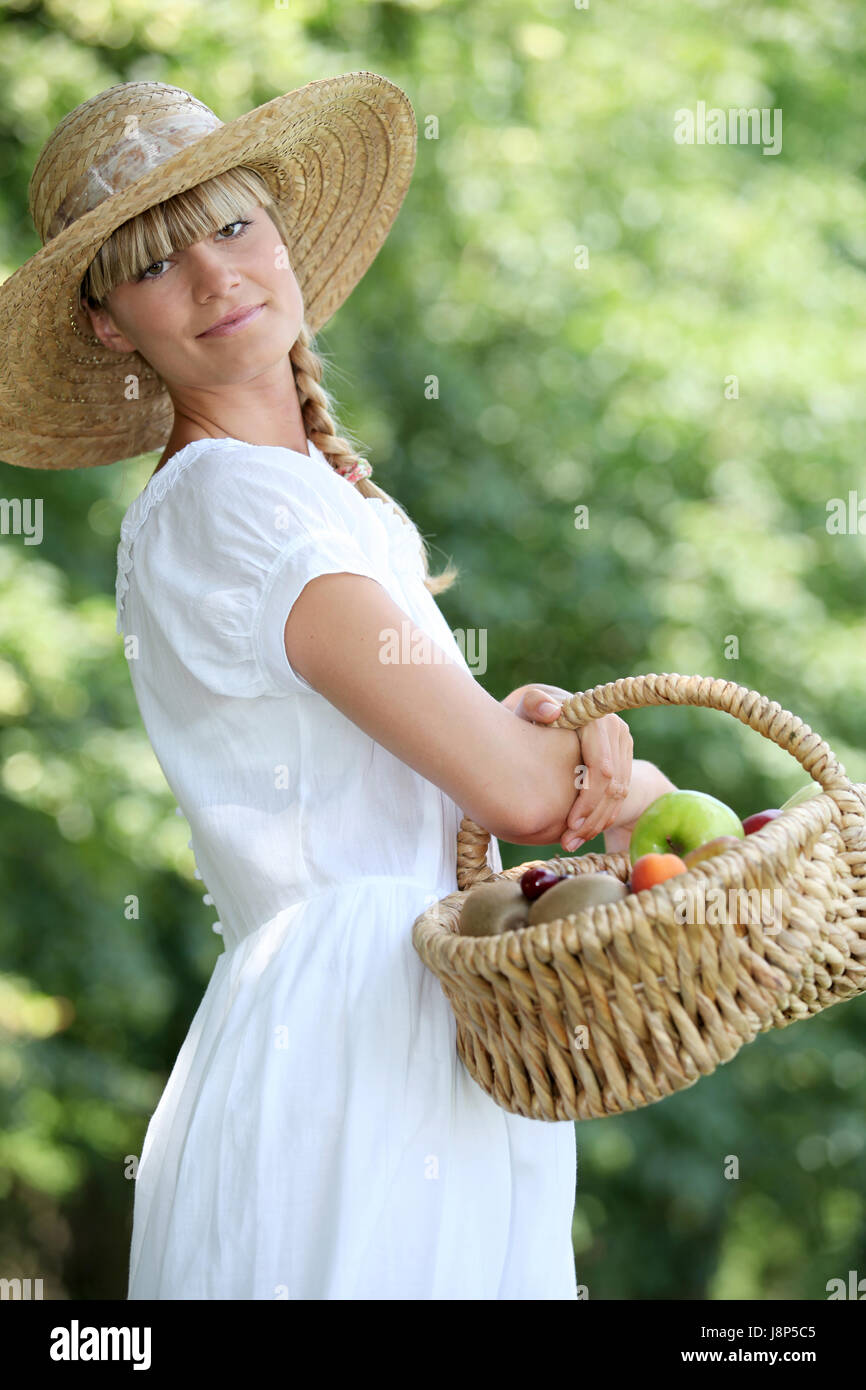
column 106, row 329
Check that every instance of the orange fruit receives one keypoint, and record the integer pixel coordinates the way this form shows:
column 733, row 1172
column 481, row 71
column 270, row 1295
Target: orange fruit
column 651, row 869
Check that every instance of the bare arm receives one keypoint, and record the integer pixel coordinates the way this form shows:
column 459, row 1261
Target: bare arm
column 504, row 773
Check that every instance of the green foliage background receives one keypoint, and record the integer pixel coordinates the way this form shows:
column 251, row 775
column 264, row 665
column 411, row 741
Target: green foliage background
column 558, row 386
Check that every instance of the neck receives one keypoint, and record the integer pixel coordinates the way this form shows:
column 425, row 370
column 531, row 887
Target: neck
column 265, row 410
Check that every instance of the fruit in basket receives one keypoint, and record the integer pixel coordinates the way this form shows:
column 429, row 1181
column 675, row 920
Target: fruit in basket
column 760, row 818
column 680, row 821
column 575, row 894
column 653, row 868
column 491, row 908
column 804, row 794
column 537, row 879
column 720, row 845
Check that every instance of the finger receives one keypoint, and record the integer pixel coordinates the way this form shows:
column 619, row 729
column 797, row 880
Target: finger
column 605, row 813
column 588, row 800
column 602, row 817
column 596, row 752
column 587, row 810
column 582, row 812
column 586, row 797
column 603, row 759
column 613, row 746
column 555, row 691
column 624, row 752
column 541, row 705
column 521, row 706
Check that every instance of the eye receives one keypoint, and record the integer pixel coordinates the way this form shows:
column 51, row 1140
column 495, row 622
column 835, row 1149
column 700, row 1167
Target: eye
column 241, row 222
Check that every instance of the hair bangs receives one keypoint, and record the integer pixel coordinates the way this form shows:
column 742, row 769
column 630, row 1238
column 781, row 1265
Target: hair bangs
column 171, row 226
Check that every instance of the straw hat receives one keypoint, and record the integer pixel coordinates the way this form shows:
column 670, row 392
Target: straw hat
column 337, row 156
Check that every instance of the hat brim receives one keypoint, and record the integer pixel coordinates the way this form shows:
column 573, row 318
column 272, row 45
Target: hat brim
column 337, row 155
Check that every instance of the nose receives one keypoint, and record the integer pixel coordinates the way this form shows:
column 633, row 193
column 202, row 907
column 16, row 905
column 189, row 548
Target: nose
column 211, row 270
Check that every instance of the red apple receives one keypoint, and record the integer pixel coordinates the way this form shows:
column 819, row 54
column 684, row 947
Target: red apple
column 753, row 823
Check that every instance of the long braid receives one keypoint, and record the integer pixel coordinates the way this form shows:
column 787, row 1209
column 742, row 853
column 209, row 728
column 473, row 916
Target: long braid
column 321, row 428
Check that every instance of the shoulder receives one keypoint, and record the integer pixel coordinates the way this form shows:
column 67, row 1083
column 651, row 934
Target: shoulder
column 224, row 513
column 211, row 486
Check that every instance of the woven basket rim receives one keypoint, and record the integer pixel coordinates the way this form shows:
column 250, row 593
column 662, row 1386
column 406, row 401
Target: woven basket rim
column 820, row 808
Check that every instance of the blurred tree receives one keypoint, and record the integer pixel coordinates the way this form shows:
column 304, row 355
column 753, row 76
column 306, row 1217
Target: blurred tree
column 692, row 376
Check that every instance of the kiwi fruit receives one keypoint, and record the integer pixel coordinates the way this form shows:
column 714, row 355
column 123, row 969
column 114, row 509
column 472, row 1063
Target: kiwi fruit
column 492, row 908
column 575, row 895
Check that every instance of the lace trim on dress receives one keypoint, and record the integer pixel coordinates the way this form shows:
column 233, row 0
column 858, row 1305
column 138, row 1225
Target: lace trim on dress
column 404, row 539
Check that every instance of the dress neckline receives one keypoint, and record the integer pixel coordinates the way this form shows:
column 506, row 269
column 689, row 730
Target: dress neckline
column 159, row 482
column 168, row 466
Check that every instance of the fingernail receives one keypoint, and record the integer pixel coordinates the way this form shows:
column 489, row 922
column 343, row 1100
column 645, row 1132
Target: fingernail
column 578, row 823
column 548, row 707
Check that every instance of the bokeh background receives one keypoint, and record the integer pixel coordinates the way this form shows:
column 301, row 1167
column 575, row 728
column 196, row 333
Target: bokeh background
column 543, row 127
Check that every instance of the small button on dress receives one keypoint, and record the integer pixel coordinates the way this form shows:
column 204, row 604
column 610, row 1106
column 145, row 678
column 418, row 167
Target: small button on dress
column 318, row 1136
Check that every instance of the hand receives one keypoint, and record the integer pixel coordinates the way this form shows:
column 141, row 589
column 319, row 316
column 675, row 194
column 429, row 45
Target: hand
column 606, row 749
column 648, row 783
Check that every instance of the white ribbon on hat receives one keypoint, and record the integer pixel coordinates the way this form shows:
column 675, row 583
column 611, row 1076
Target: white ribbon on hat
column 131, row 158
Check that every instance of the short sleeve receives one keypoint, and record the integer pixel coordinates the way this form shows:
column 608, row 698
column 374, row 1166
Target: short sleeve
column 231, row 547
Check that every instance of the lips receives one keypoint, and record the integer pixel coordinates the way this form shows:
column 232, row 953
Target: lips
column 233, row 321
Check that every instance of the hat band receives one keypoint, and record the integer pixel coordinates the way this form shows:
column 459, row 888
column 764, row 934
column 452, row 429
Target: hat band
column 129, row 160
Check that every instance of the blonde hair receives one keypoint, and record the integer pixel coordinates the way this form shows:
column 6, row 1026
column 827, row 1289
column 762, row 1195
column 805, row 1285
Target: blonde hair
column 198, row 212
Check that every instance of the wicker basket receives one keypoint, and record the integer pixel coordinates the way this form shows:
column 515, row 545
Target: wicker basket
column 620, row 1005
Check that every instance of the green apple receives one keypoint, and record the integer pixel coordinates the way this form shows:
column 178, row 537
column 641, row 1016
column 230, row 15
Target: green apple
column 804, row 794
column 678, row 822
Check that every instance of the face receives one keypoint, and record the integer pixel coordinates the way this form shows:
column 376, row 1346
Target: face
column 163, row 314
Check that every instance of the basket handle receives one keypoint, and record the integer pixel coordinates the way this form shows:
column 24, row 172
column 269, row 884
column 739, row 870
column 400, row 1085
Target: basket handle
column 767, row 717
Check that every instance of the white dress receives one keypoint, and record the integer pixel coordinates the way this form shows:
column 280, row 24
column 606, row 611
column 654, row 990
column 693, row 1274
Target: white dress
column 318, row 1137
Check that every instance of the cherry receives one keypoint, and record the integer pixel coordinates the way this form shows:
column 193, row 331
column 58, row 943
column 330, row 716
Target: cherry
column 537, row 879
